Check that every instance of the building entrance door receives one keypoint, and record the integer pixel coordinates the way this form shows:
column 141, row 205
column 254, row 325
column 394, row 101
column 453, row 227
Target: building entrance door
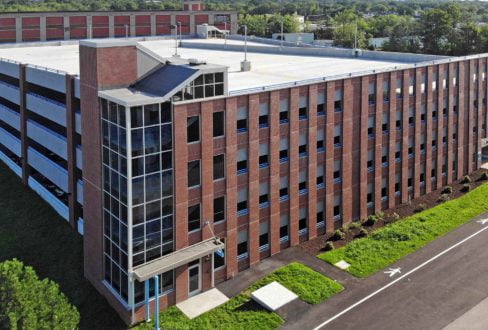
column 194, row 278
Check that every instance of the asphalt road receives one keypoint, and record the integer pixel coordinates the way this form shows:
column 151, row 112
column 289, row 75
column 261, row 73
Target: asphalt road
column 443, row 284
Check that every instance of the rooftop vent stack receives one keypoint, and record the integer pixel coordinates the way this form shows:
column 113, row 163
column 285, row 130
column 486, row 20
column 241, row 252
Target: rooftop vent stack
column 357, row 52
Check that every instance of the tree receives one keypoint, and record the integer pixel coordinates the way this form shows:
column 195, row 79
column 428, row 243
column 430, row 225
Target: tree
column 349, row 29
column 26, row 302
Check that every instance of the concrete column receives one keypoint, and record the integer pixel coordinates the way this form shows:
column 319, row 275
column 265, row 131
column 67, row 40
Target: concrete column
column 23, row 88
column 173, row 19
column 231, row 185
column 234, row 23
column 42, row 28
column 211, row 19
column 363, row 142
column 111, row 26
column 312, row 162
column 153, row 24
column 89, row 27
column 66, row 27
column 132, row 24
column 378, row 143
column 18, row 29
column 74, row 210
column 193, row 29
column 294, row 166
column 274, row 172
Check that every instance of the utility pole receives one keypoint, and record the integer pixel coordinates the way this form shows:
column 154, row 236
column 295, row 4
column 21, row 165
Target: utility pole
column 282, row 30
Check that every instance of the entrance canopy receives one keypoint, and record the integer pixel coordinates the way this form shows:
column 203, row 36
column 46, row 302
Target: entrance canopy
column 178, row 258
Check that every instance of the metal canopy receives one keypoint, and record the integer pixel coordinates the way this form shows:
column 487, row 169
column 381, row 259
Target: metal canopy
column 176, row 259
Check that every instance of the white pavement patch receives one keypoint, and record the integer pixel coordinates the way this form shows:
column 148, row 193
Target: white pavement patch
column 202, row 303
column 474, row 319
column 399, row 279
column 273, row 296
column 342, row 265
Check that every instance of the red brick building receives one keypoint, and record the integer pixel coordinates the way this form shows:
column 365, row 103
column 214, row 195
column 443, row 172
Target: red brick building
column 167, row 161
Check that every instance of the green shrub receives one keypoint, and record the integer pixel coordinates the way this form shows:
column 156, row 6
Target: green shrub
column 339, row 235
column 374, row 218
column 421, row 207
column 466, row 187
column 354, row 225
column 379, row 215
column 363, row 232
column 443, row 198
column 484, row 176
column 394, row 216
column 466, row 179
column 26, row 302
column 446, row 190
column 329, row 246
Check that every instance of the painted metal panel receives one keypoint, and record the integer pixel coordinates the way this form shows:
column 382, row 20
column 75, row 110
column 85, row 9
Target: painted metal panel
column 80, row 226
column 11, row 164
column 9, row 116
column 10, row 142
column 47, row 108
column 79, row 158
column 77, row 88
column 55, row 173
column 79, row 191
column 78, row 122
column 51, row 79
column 9, row 69
column 10, row 92
column 48, row 138
column 45, row 194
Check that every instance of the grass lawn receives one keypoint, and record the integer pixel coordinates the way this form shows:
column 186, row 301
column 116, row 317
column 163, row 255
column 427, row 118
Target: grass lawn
column 241, row 313
column 389, row 244
column 33, row 232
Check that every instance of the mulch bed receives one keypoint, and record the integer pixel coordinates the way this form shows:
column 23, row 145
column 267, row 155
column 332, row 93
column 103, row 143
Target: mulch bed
column 424, row 202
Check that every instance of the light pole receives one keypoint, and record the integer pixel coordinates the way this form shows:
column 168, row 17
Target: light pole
column 245, row 65
column 176, row 40
column 225, row 33
column 282, row 34
column 126, row 31
column 179, row 25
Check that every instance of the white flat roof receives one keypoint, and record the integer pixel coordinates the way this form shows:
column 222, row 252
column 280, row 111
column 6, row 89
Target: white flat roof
column 267, row 68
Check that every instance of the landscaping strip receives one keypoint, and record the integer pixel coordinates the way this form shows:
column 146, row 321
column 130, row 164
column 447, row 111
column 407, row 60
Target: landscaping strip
column 242, row 313
column 387, row 245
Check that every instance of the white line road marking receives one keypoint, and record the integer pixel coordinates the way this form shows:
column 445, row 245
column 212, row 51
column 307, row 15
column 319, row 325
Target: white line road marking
column 400, row 278
column 393, row 271
column 483, row 221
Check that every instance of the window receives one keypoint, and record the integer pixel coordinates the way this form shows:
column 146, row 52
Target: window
column 337, row 207
column 242, row 161
column 371, row 93
column 397, row 183
column 384, row 189
column 423, row 111
column 337, row 136
column 320, row 103
column 194, row 217
column 370, row 126
column 302, row 182
column 302, row 147
column 338, row 101
column 283, row 149
column 320, row 176
column 369, row 195
column 284, row 188
column 386, row 91
column 242, row 244
column 218, row 124
column 320, row 140
column 193, row 129
column 422, row 84
column 410, row 179
column 303, row 108
column 434, row 81
column 302, row 221
column 284, row 109
column 399, row 88
column 284, row 222
column 263, row 115
column 242, row 120
column 411, row 84
column 422, row 143
column 219, row 167
column 370, row 162
column 410, row 147
column 219, row 209
column 434, row 110
column 320, row 214
column 194, row 173
column 411, row 117
column 242, row 202
column 219, row 261
column 398, row 123
column 263, row 195
column 384, row 156
column 384, row 126
column 205, row 85
column 263, row 155
column 337, row 171
column 263, row 236
column 398, row 152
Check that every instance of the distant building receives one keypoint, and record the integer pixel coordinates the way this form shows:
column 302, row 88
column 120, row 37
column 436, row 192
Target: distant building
column 378, row 42
column 306, row 38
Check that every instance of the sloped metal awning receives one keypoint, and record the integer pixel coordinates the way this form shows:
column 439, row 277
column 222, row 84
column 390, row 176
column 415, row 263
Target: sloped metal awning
column 176, row 259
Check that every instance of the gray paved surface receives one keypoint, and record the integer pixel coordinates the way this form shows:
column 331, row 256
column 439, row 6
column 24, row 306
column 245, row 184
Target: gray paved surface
column 474, row 319
column 430, row 298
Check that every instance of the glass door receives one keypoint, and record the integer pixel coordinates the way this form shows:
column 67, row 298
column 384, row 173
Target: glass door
column 194, row 280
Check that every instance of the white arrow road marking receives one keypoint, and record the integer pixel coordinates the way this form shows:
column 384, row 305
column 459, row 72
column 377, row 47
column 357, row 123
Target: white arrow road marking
column 483, row 221
column 393, row 271
column 400, row 278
